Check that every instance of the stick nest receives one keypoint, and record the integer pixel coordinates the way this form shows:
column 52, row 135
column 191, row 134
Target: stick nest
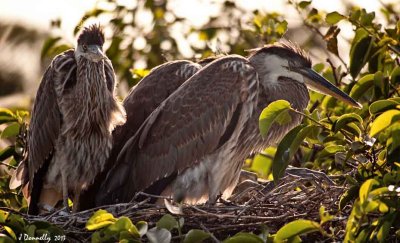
column 263, row 206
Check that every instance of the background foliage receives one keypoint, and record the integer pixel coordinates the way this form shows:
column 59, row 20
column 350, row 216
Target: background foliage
column 359, row 148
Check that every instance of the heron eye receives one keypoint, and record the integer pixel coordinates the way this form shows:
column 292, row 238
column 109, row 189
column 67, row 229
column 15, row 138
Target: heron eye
column 84, row 47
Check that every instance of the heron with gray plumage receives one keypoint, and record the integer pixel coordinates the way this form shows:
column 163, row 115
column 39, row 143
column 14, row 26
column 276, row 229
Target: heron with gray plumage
column 193, row 145
column 74, row 113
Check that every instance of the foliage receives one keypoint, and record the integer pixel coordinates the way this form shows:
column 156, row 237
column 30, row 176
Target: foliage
column 361, row 148
column 234, row 34
column 14, row 128
column 16, row 228
column 362, row 145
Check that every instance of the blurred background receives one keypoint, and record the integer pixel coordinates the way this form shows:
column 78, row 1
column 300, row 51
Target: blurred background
column 143, row 34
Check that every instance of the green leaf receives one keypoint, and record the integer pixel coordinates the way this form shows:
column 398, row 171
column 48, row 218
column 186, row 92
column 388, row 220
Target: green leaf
column 296, row 228
column 6, row 112
column 123, row 224
column 344, row 120
column 367, row 18
column 324, row 215
column 304, row 4
column 283, row 152
column 100, row 219
column 303, row 133
column 362, row 86
column 365, row 189
column 244, row 237
column 6, row 239
column 7, row 152
column 3, row 216
column 352, row 128
column 11, row 131
column 276, row 111
column 382, row 105
column 167, row 222
column 139, row 73
column 383, row 121
column 385, row 225
column 142, row 227
column 348, row 196
column 6, row 119
column 196, row 236
column 334, row 17
column 395, row 76
column 332, row 149
column 48, row 45
column 359, row 51
column 158, row 235
column 262, row 165
column 281, row 27
column 370, row 206
column 15, row 222
column 362, row 236
column 379, row 81
column 355, row 15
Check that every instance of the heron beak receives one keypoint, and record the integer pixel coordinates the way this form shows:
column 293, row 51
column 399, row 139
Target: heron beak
column 316, row 82
column 95, row 53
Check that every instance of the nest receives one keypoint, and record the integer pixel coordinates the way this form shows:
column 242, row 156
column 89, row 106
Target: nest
column 263, row 206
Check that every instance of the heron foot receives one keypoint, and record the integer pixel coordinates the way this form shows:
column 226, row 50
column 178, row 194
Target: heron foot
column 46, row 208
column 64, row 213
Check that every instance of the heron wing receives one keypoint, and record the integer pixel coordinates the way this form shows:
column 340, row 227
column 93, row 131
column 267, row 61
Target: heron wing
column 46, row 118
column 192, row 123
column 149, row 93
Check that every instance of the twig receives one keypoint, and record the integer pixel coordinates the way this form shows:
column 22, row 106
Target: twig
column 211, row 234
column 8, row 165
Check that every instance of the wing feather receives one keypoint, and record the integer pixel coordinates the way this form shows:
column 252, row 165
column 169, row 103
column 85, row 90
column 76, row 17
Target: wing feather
column 182, row 130
column 148, row 94
column 46, row 118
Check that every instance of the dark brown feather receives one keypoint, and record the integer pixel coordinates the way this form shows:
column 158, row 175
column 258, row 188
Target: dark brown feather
column 45, row 127
column 182, row 130
column 46, row 119
column 92, row 35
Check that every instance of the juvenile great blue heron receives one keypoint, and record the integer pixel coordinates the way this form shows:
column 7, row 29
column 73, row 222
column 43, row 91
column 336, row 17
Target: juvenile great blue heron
column 143, row 99
column 74, row 114
column 193, row 145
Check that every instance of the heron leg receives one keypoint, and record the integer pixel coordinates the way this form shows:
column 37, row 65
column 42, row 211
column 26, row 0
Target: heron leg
column 65, row 191
column 75, row 206
column 213, row 192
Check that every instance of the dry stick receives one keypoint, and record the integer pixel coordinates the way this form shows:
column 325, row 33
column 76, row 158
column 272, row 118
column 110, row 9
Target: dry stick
column 12, row 166
column 264, row 198
column 337, row 81
column 217, row 215
column 154, row 196
column 54, row 213
column 211, row 234
column 134, row 206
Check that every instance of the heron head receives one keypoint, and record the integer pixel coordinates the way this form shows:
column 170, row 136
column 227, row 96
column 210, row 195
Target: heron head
column 90, row 44
column 289, row 61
